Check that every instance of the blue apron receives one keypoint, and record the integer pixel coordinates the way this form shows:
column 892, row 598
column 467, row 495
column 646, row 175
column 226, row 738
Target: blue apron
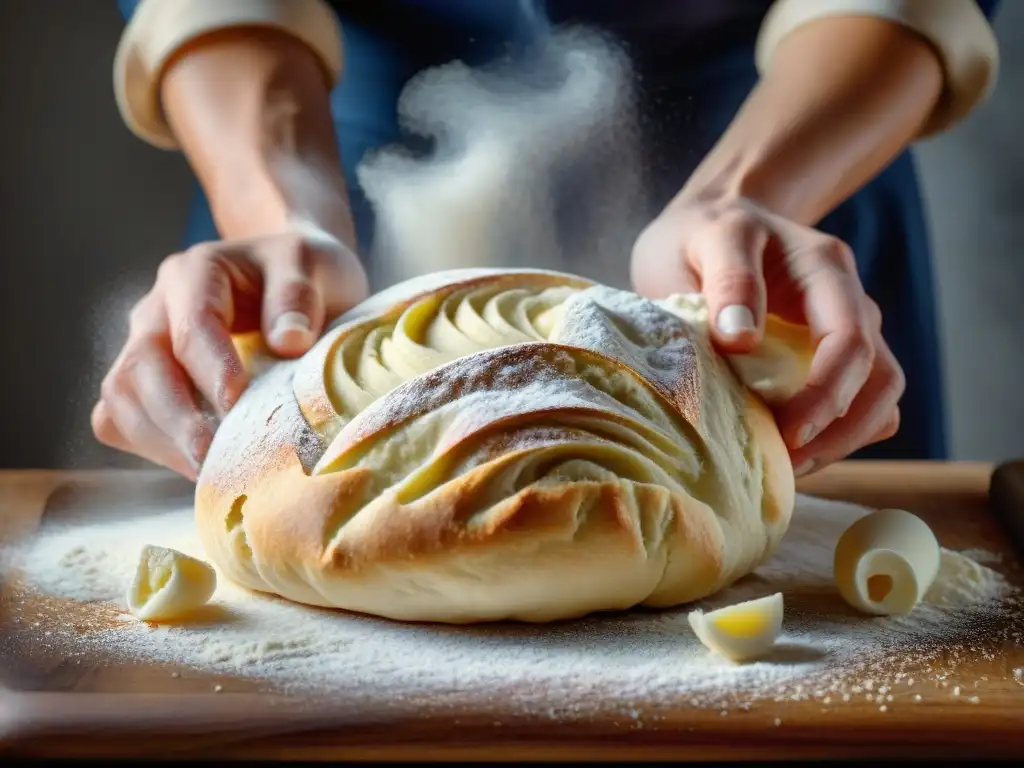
column 697, row 64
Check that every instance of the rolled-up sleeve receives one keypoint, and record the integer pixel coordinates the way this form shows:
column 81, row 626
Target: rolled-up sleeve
column 959, row 31
column 157, row 29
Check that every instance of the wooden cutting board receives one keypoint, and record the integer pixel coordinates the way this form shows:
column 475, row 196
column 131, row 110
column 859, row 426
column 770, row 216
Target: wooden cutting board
column 139, row 710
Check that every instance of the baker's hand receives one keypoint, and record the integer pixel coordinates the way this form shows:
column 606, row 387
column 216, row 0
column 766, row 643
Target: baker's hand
column 179, row 339
column 748, row 261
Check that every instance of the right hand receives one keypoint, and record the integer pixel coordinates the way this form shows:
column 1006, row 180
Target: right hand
column 744, row 257
column 179, row 345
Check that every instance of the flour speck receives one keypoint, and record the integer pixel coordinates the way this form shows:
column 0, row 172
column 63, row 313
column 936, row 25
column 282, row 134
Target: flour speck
column 636, row 660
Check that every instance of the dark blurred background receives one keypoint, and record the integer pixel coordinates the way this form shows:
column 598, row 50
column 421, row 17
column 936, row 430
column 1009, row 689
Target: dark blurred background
column 89, row 211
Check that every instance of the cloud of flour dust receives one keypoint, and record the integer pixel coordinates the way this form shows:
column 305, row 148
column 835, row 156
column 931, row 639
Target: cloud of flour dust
column 106, row 329
column 535, row 162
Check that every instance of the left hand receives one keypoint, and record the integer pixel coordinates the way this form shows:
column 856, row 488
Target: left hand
column 748, row 262
column 179, row 348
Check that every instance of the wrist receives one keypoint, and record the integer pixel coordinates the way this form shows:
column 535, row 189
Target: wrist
column 842, row 98
column 245, row 203
column 731, row 177
column 284, row 166
column 251, row 111
column 768, row 156
column 269, row 195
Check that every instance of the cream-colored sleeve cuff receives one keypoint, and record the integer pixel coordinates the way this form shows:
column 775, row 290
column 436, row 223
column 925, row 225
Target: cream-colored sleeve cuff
column 957, row 29
column 159, row 28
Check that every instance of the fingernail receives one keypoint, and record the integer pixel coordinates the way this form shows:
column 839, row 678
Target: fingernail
column 291, row 328
column 807, row 433
column 806, row 468
column 735, row 319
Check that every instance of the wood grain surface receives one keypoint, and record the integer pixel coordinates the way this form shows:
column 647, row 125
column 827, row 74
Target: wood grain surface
column 51, row 707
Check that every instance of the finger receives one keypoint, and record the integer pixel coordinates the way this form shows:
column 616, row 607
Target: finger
column 134, row 429
column 112, row 437
column 728, row 254
column 336, row 269
column 842, row 361
column 146, row 318
column 105, row 428
column 293, row 302
column 873, row 416
column 889, row 429
column 166, row 395
column 658, row 268
column 200, row 310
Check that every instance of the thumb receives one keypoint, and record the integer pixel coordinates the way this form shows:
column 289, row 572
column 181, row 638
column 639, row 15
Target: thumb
column 729, row 259
column 293, row 303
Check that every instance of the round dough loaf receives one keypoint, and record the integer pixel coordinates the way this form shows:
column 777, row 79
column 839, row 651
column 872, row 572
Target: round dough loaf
column 482, row 445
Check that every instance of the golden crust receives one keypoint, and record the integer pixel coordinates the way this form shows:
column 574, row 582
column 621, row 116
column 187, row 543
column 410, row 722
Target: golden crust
column 537, row 481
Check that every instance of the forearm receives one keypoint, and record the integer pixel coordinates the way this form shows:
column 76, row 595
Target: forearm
column 842, row 98
column 250, row 109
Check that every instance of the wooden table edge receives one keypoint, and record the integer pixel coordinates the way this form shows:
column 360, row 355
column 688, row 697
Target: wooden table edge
column 958, row 478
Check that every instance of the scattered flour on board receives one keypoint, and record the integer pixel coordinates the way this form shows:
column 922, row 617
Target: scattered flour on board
column 828, row 652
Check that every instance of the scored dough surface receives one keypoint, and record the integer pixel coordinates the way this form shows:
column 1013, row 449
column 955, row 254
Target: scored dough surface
column 482, row 445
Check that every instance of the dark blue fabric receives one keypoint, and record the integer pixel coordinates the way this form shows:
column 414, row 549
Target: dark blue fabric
column 989, row 7
column 127, row 7
column 689, row 95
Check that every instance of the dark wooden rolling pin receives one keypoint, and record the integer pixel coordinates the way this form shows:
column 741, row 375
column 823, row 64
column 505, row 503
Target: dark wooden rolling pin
column 1006, row 498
